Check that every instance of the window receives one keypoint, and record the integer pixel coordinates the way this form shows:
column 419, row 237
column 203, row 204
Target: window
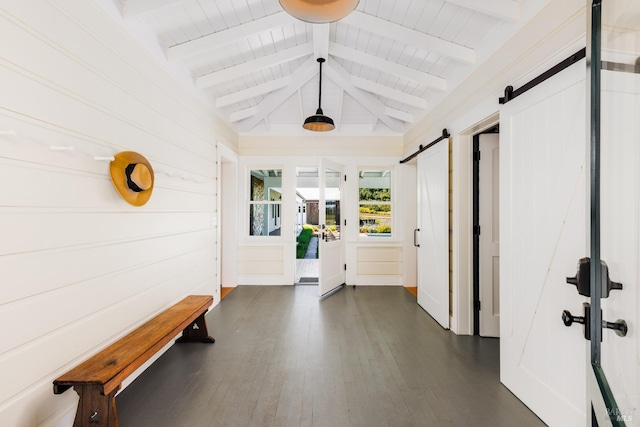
column 375, row 203
column 265, row 202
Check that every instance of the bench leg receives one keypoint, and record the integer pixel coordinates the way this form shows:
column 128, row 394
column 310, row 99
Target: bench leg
column 196, row 332
column 94, row 408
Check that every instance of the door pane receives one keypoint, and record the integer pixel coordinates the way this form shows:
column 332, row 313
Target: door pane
column 332, row 204
column 620, row 202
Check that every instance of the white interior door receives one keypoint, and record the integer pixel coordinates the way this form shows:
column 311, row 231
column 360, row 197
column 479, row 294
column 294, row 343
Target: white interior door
column 543, row 227
column 331, row 250
column 433, row 234
column 489, row 239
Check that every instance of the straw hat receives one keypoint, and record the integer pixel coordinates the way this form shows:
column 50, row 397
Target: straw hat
column 132, row 175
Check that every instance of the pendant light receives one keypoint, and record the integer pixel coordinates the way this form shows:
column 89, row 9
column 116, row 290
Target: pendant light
column 319, row 122
column 319, row 11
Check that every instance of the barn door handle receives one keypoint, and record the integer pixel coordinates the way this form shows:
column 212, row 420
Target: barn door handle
column 582, row 279
column 568, row 319
column 619, row 326
column 415, row 238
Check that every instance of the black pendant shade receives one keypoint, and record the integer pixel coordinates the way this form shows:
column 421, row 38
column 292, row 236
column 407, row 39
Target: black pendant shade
column 319, row 122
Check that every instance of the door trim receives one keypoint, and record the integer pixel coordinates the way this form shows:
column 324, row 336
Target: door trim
column 476, row 224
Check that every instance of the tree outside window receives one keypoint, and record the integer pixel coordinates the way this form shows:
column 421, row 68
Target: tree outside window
column 375, row 203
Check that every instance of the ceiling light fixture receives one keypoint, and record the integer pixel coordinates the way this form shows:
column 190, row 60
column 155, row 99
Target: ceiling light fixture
column 319, row 11
column 319, row 122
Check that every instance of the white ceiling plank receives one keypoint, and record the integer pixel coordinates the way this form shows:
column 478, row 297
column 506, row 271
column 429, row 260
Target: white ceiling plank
column 182, row 19
column 388, row 92
column 243, row 114
column 252, row 92
column 133, row 8
column 300, row 103
column 400, row 115
column 338, row 119
column 257, row 64
column 389, row 67
column 410, row 37
column 341, row 77
column 321, row 40
column 226, row 37
column 227, row 10
column 243, row 11
column 298, row 78
column 506, row 10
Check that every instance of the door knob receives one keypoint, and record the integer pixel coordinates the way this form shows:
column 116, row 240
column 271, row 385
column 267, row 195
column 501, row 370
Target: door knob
column 619, row 326
column 568, row 319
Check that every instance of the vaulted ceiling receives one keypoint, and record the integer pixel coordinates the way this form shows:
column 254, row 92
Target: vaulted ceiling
column 388, row 63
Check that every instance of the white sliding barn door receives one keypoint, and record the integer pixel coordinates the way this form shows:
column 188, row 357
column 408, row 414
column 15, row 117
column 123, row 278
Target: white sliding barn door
column 433, row 235
column 543, row 226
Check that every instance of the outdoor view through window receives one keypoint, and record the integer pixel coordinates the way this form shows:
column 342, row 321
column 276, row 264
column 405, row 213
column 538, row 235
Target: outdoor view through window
column 375, row 203
column 266, row 199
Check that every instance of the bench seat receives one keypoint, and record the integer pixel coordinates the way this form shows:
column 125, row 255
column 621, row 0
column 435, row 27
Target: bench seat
column 98, row 378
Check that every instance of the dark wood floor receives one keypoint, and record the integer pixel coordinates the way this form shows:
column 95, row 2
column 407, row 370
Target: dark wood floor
column 362, row 357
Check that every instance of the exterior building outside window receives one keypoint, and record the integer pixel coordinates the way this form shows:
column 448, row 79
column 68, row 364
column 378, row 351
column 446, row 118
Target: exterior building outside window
column 265, row 202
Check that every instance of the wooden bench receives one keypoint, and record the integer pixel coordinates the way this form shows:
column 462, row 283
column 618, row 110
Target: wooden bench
column 98, row 379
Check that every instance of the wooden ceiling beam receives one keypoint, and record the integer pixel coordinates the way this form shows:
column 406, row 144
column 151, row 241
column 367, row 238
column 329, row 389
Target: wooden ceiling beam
column 132, row 8
column 252, row 92
column 410, row 37
column 506, row 10
column 243, row 114
column 225, row 37
column 400, row 115
column 388, row 67
column 341, row 77
column 299, row 77
column 321, row 41
column 388, row 92
column 231, row 73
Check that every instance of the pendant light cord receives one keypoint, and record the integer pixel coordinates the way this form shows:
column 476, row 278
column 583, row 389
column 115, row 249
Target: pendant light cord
column 320, row 60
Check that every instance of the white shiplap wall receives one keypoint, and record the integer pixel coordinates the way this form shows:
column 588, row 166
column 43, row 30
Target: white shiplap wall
column 80, row 267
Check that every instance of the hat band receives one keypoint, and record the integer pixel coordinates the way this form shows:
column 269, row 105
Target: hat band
column 132, row 185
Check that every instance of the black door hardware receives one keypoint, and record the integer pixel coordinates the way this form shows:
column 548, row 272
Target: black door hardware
column 620, row 326
column 568, row 319
column 582, row 279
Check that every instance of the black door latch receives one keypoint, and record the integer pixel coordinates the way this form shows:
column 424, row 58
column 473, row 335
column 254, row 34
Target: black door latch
column 582, row 279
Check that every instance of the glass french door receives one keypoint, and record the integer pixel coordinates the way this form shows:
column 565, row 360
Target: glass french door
column 331, row 245
column 613, row 376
